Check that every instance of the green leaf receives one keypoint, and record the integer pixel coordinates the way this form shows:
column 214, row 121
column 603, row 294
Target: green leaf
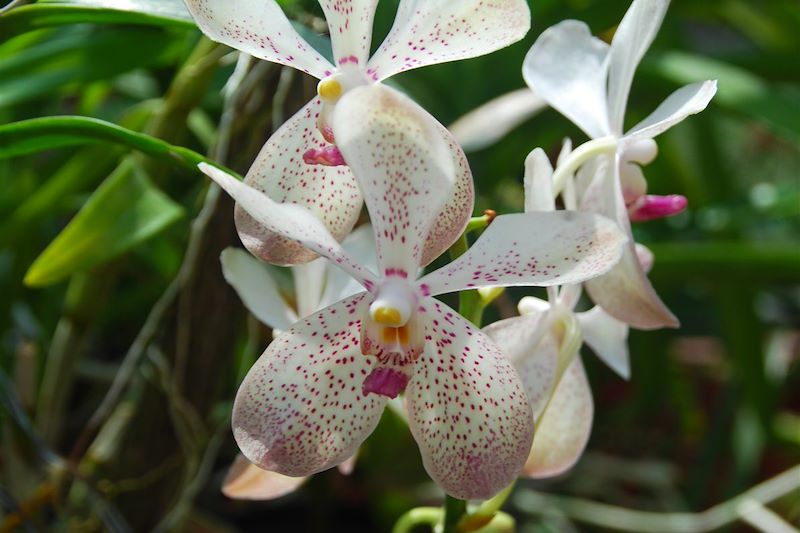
column 49, row 14
column 123, row 212
column 739, row 90
column 34, row 135
column 77, row 55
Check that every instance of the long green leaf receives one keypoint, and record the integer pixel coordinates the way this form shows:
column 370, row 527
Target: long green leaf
column 34, row 135
column 47, row 15
column 739, row 90
column 123, row 212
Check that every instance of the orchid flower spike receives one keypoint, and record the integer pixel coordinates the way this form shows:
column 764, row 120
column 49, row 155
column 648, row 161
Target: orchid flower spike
column 301, row 163
column 543, row 345
column 319, row 389
column 589, row 82
column 316, row 285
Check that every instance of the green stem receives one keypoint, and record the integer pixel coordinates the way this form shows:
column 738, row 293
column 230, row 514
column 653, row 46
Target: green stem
column 454, row 510
column 429, row 516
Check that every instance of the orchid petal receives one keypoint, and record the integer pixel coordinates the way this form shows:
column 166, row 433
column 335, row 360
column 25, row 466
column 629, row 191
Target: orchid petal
column 256, row 288
column 686, row 101
column 346, row 467
column 487, row 124
column 360, row 244
column 455, row 213
column 330, row 193
column 259, row 28
column 403, row 166
column 633, row 37
column 538, row 183
column 608, row 337
column 300, row 410
column 568, row 67
column 558, row 248
column 526, row 342
column 246, row 481
column 350, row 27
column 467, row 409
column 309, row 281
column 563, row 430
column 427, row 32
column 624, row 292
column 290, row 221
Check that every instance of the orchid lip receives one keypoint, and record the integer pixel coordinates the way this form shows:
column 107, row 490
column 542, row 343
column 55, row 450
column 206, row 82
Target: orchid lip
column 386, row 382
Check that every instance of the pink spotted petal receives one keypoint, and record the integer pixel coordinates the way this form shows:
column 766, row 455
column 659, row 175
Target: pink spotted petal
column 526, row 342
column 291, row 222
column 608, row 337
column 300, row 410
column 568, row 68
column 467, row 409
column 437, row 31
column 259, row 28
column 457, row 210
column 403, row 165
column 624, row 292
column 653, row 207
column 542, row 249
column 246, row 481
column 350, row 27
column 329, row 192
column 563, row 430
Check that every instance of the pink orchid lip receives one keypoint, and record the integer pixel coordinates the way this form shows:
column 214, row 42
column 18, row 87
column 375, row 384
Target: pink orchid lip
column 652, row 207
column 329, row 156
column 386, row 382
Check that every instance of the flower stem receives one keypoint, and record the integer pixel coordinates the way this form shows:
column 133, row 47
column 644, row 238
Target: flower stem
column 454, row 510
column 420, row 516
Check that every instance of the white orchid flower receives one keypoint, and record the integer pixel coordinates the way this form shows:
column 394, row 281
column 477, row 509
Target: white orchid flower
column 319, row 389
column 543, row 344
column 301, row 163
column 316, row 285
column 589, row 81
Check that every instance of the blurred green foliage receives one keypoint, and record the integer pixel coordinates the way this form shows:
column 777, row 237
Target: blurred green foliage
column 712, row 408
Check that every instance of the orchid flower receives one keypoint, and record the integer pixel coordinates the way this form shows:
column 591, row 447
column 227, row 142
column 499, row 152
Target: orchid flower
column 543, row 344
column 301, row 163
column 589, row 81
column 316, row 285
column 319, row 389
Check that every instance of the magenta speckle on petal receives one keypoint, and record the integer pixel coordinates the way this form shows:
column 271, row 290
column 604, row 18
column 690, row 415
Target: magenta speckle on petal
column 652, row 207
column 330, row 156
column 386, row 382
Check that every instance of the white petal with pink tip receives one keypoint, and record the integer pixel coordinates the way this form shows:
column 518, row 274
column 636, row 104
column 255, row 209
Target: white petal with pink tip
column 259, row 28
column 290, row 221
column 403, row 166
column 532, row 249
column 330, row 193
column 300, row 410
column 426, row 32
column 467, row 409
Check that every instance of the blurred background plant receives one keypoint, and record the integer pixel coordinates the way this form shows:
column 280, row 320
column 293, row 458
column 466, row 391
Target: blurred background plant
column 121, row 345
